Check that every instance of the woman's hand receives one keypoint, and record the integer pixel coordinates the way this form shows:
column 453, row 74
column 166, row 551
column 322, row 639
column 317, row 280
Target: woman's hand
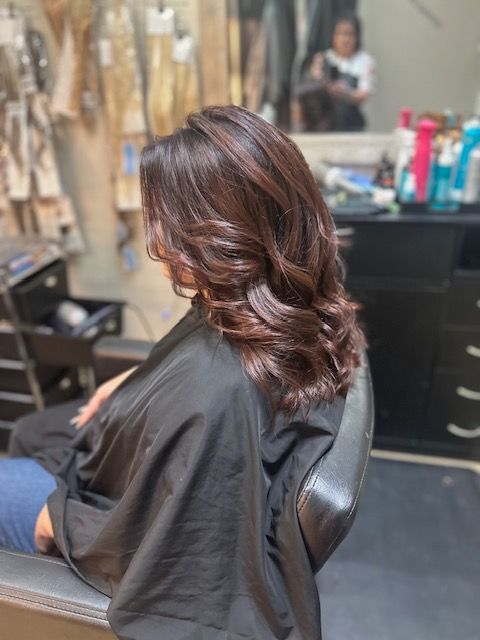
column 88, row 410
column 317, row 66
column 342, row 91
column 43, row 531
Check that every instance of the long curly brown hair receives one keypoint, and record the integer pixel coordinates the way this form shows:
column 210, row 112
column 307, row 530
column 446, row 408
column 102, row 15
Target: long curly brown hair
column 232, row 207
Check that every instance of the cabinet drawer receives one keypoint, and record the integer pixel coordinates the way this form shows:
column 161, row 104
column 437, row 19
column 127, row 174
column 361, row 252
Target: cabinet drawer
column 13, row 405
column 8, row 345
column 76, row 350
column 47, row 347
column 464, row 301
column 13, row 376
column 460, row 349
column 38, row 295
column 454, row 411
column 402, row 329
column 398, row 250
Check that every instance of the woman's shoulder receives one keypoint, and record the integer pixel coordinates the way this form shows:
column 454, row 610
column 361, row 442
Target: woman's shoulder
column 195, row 357
column 364, row 58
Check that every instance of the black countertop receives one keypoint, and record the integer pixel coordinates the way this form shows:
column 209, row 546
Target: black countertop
column 406, row 217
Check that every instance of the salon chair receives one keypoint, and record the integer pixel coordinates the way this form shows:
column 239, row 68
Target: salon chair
column 41, row 598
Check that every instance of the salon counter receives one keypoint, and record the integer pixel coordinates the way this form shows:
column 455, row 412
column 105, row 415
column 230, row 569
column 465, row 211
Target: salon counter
column 466, row 219
column 417, row 279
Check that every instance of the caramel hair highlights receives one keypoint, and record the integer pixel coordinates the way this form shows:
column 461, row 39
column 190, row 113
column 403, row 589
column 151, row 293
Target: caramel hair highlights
column 230, row 200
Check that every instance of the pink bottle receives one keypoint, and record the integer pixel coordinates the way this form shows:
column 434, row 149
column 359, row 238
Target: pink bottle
column 423, row 156
column 405, row 118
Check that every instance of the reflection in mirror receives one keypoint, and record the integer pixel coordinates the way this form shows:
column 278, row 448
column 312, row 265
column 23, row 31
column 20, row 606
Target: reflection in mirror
column 351, row 65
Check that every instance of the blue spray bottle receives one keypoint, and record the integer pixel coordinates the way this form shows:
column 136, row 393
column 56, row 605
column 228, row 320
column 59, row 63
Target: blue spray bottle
column 470, row 139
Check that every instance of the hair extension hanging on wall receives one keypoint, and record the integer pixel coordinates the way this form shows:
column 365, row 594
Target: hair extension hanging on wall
column 76, row 87
column 172, row 71
column 32, row 178
column 124, row 107
column 15, row 108
column 160, row 26
column 186, row 81
column 122, row 86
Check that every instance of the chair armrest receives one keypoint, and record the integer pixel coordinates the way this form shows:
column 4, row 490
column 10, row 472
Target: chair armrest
column 113, row 355
column 43, row 599
column 328, row 498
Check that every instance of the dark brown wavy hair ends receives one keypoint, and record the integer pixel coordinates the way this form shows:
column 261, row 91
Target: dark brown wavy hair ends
column 232, row 207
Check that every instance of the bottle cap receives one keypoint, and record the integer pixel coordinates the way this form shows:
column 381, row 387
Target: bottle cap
column 427, row 126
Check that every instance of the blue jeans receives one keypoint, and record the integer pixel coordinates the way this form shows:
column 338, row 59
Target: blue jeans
column 24, row 488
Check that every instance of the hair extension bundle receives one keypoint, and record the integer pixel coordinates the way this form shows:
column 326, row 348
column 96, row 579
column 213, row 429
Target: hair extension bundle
column 122, row 87
column 76, row 85
column 186, row 84
column 160, row 99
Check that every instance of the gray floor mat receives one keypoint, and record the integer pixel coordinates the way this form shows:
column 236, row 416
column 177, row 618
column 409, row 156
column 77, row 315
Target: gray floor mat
column 410, row 567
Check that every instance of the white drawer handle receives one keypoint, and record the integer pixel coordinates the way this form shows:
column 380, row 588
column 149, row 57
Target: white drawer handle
column 111, row 326
column 50, row 282
column 478, row 303
column 463, row 392
column 473, row 351
column 347, row 232
column 455, row 430
column 65, row 383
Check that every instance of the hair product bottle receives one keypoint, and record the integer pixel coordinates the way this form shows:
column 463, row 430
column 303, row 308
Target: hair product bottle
column 471, row 192
column 442, row 177
column 470, row 139
column 405, row 143
column 423, row 157
column 408, row 188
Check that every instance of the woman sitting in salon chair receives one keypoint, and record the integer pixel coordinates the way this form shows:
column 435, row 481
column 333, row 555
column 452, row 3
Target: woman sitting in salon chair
column 176, row 492
column 337, row 83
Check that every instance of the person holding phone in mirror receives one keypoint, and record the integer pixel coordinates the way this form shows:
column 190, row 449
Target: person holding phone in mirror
column 346, row 73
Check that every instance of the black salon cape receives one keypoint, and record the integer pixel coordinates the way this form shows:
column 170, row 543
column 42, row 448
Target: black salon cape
column 178, row 499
